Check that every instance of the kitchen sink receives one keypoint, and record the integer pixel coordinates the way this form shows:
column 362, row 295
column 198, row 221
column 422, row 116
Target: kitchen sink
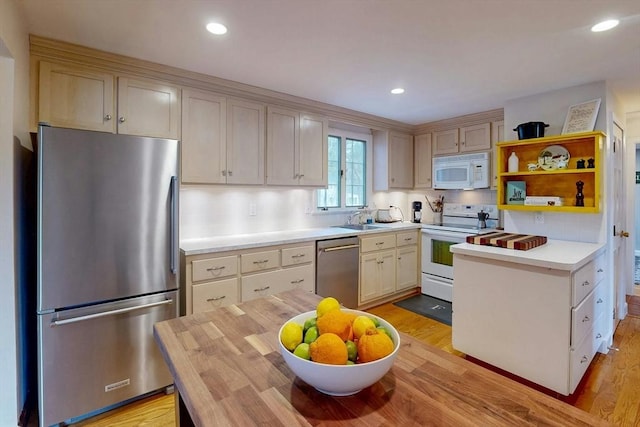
column 358, row 226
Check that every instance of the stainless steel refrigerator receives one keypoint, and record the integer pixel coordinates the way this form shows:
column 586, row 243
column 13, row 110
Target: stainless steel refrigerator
column 107, row 268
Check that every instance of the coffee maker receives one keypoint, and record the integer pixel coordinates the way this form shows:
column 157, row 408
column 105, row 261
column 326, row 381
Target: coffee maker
column 416, row 211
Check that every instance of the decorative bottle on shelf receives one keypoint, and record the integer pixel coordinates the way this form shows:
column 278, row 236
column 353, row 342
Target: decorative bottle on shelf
column 513, row 162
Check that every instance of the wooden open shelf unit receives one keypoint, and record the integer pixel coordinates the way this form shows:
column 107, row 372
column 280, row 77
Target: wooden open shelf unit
column 558, row 182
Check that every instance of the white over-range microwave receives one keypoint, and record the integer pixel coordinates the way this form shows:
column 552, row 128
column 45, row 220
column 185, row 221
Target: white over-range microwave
column 461, row 172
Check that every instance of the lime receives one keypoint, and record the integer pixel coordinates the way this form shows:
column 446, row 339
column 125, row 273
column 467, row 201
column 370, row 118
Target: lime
column 326, row 305
column 361, row 324
column 350, row 362
column 302, row 351
column 375, row 321
column 309, row 323
column 311, row 335
column 291, row 335
column 352, row 351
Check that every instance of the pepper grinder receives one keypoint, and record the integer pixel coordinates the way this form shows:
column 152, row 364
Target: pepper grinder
column 579, row 195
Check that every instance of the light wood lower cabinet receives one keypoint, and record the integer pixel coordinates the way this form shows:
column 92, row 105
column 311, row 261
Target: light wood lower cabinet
column 389, row 264
column 209, row 281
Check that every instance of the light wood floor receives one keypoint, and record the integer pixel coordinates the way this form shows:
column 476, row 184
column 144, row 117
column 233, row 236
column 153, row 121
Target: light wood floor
column 610, row 390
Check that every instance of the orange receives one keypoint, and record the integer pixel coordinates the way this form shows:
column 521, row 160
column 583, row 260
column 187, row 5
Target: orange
column 330, row 349
column 336, row 322
column 374, row 345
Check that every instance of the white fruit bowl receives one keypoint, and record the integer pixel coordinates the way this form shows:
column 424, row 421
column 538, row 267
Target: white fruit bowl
column 340, row 380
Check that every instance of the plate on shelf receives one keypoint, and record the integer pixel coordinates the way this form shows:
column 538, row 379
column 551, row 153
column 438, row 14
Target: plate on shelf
column 553, row 157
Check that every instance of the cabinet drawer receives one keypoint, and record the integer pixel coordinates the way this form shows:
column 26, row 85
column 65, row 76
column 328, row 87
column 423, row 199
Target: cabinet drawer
column 375, row 243
column 262, row 284
column 581, row 357
column 298, row 255
column 408, row 238
column 583, row 318
column 302, row 277
column 208, row 296
column 260, row 261
column 584, row 281
column 599, row 266
column 214, row 268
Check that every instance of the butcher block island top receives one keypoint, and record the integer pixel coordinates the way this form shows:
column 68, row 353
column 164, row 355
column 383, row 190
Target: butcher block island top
column 228, row 371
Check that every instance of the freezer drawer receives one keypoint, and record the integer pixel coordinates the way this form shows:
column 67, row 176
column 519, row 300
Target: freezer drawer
column 97, row 356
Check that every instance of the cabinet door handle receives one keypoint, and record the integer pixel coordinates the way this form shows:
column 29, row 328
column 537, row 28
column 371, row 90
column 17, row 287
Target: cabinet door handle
column 230, row 173
column 599, row 335
column 216, row 268
column 586, row 283
column 216, row 298
column 261, row 261
column 298, row 256
column 599, row 301
column 408, row 239
column 264, row 288
column 586, row 319
column 107, row 117
column 600, row 270
column 379, row 243
column 224, row 172
column 584, row 359
column 121, row 119
column 295, row 282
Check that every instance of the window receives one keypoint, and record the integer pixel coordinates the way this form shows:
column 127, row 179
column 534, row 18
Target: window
column 347, row 179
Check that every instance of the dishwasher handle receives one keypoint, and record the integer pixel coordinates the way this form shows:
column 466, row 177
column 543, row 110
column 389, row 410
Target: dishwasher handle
column 339, row 248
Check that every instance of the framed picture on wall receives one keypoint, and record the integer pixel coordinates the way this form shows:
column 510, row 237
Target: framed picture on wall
column 581, row 117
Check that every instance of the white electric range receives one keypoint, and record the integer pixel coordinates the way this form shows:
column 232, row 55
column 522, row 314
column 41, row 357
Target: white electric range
column 458, row 221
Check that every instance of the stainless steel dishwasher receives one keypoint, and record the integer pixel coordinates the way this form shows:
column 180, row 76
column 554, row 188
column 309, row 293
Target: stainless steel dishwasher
column 337, row 269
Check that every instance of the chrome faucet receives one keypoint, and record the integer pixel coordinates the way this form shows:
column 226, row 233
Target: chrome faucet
column 351, row 216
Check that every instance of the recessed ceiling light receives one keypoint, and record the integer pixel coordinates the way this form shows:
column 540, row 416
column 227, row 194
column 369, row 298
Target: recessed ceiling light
column 397, row 91
column 216, row 28
column 605, row 25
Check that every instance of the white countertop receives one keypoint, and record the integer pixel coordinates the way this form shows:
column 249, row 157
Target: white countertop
column 555, row 254
column 254, row 240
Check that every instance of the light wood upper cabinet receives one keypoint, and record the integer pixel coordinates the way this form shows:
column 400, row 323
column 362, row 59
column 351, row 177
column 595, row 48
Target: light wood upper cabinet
column 462, row 140
column 296, row 148
column 313, row 152
column 204, row 137
column 497, row 135
column 83, row 98
column 245, row 141
column 75, row 97
column 422, row 161
column 222, row 139
column 445, row 142
column 148, row 108
column 392, row 160
column 475, row 138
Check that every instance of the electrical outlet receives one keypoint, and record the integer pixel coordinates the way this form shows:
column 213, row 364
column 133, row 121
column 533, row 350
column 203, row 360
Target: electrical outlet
column 538, row 218
column 252, row 209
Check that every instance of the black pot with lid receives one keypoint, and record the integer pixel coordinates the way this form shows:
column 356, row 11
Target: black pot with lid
column 531, row 130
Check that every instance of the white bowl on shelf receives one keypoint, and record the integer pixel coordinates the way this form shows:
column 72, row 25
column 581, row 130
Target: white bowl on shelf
column 340, row 380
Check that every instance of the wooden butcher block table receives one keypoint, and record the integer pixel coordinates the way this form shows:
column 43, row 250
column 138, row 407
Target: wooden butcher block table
column 228, row 371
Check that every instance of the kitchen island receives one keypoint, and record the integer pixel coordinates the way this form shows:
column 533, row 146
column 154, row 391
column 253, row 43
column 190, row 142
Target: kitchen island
column 540, row 314
column 228, row 371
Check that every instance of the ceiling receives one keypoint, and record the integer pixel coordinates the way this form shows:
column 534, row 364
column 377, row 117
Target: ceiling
column 453, row 57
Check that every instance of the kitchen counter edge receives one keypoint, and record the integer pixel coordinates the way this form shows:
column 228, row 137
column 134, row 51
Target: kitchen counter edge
column 255, row 240
column 555, row 254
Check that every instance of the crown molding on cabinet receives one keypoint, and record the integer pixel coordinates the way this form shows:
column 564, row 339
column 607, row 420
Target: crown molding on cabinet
column 45, row 48
column 461, row 121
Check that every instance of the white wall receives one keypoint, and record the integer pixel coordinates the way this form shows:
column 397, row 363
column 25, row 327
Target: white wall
column 551, row 108
column 14, row 98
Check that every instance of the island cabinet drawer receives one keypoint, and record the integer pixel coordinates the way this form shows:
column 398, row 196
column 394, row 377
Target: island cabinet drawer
column 214, row 268
column 407, row 238
column 583, row 317
column 207, row 296
column 297, row 255
column 302, row 277
column 260, row 261
column 584, row 281
column 599, row 266
column 262, row 285
column 582, row 355
column 378, row 242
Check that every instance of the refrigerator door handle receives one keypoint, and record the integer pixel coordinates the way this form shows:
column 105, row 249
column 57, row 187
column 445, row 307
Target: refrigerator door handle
column 174, row 226
column 108, row 313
